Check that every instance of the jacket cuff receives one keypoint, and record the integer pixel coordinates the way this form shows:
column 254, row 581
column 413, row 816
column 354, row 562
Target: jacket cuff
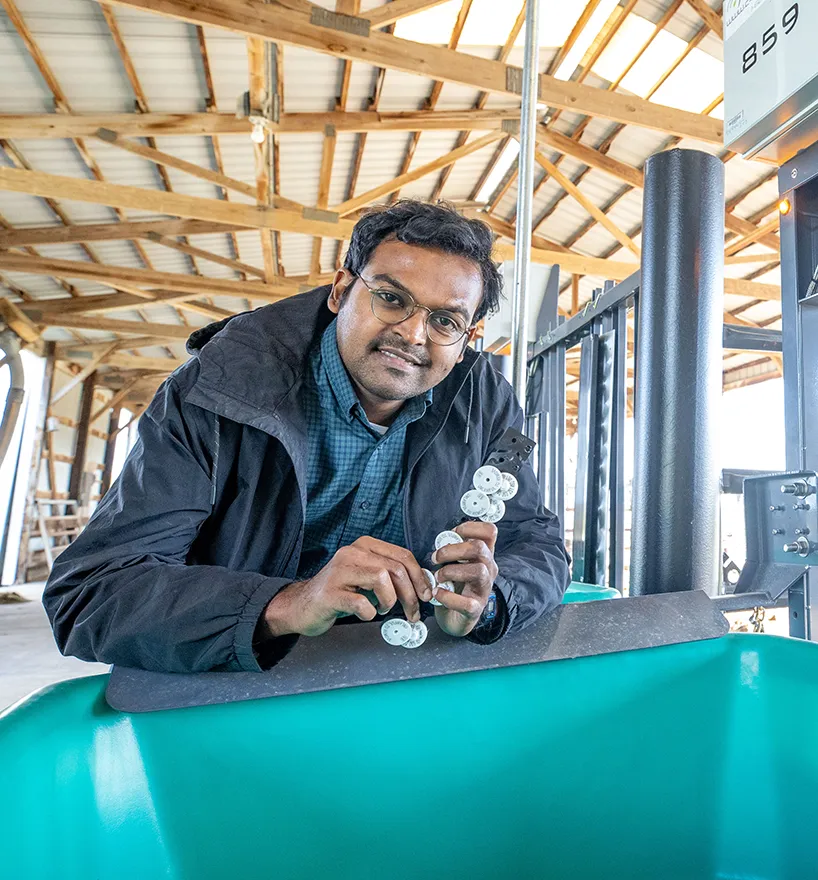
column 252, row 656
column 488, row 632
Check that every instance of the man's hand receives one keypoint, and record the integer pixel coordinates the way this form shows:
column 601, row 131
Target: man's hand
column 367, row 566
column 470, row 566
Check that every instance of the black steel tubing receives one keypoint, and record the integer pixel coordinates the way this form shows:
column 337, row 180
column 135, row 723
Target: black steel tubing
column 678, row 376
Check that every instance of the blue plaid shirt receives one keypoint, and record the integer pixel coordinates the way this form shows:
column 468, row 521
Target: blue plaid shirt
column 355, row 472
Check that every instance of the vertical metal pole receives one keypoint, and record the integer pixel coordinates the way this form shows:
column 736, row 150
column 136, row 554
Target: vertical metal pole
column 676, row 476
column 525, row 199
column 619, row 404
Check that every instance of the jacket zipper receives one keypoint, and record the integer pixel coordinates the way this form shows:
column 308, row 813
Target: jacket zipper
column 423, row 452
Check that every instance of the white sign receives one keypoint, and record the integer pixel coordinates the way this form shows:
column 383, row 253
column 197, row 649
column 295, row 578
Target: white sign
column 769, row 57
column 735, row 12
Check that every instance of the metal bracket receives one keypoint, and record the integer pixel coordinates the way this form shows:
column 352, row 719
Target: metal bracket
column 318, row 214
column 514, row 80
column 779, row 511
column 349, row 24
column 512, row 451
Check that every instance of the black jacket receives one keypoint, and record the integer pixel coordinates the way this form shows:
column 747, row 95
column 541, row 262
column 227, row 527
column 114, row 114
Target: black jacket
column 205, row 523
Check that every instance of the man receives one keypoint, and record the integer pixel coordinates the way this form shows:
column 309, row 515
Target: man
column 294, row 471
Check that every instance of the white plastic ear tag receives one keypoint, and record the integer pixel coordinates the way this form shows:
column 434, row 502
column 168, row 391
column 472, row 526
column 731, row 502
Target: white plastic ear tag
column 475, row 503
column 446, row 538
column 396, row 632
column 487, row 479
column 419, row 633
column 446, row 585
column 509, row 487
column 497, row 510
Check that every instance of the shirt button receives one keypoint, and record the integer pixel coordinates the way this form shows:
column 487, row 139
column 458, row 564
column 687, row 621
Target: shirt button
column 364, row 505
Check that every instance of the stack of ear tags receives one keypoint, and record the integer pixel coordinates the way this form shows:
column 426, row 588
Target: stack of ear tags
column 486, row 502
column 401, row 633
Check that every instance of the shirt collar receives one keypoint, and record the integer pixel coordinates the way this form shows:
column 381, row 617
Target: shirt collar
column 335, row 371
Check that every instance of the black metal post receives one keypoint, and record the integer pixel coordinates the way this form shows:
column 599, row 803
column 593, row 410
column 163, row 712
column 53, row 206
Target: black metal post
column 619, row 406
column 676, row 477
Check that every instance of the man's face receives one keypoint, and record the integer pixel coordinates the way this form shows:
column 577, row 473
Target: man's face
column 393, row 362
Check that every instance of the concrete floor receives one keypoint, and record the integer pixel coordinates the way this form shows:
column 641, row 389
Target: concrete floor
column 29, row 657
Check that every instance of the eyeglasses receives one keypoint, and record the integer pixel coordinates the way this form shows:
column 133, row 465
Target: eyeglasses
column 392, row 306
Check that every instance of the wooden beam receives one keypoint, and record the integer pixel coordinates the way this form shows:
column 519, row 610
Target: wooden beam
column 614, row 270
column 110, row 452
column 752, row 289
column 501, row 227
column 578, row 28
column 573, row 263
column 19, row 321
column 81, row 438
column 84, row 373
column 118, row 196
column 434, row 95
column 34, row 126
column 628, row 174
column 110, row 325
column 324, row 180
column 117, row 398
column 88, row 305
column 480, row 104
column 235, row 265
column 192, row 285
column 385, row 189
column 135, row 362
column 589, row 156
column 253, row 18
column 166, row 159
column 77, row 352
column 758, row 233
column 568, row 185
column 709, row 15
column 397, row 9
column 743, row 259
column 39, row 235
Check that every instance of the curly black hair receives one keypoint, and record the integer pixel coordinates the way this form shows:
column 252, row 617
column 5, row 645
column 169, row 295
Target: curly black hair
column 437, row 226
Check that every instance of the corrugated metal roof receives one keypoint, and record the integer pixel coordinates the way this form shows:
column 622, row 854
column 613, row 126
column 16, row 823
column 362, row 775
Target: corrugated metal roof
column 74, row 38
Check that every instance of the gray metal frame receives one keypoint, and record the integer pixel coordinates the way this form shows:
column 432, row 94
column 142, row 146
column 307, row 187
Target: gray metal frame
column 602, row 472
column 798, row 183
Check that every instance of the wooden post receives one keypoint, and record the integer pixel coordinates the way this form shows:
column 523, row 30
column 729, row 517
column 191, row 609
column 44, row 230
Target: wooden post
column 110, row 448
column 36, row 458
column 81, row 441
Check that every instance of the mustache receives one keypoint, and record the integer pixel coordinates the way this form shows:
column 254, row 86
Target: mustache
column 392, row 340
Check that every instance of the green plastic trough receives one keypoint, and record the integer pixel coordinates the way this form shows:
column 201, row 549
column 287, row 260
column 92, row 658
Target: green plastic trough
column 690, row 761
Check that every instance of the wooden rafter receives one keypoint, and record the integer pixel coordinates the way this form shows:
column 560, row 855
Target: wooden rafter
column 586, row 203
column 352, row 205
column 39, row 235
column 434, row 94
column 709, row 15
column 480, row 104
column 267, row 21
column 68, row 125
column 397, row 9
column 162, row 159
column 193, row 207
column 110, row 325
column 192, row 286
